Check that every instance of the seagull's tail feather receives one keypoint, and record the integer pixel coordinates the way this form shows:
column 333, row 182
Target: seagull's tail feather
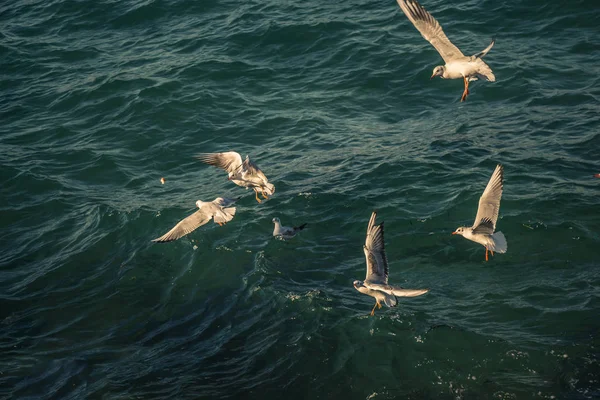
column 299, row 228
column 408, row 292
column 500, row 245
column 225, row 215
column 484, row 71
column 486, row 50
column 390, row 300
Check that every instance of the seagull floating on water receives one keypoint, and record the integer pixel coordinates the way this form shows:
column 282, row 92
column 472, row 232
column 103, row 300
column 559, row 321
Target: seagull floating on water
column 376, row 282
column 285, row 232
column 483, row 228
column 470, row 68
column 218, row 210
column 245, row 174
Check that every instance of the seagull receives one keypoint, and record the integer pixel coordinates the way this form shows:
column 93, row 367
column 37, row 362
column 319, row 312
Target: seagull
column 285, row 232
column 483, row 228
column 376, row 282
column 470, row 68
column 245, row 174
column 215, row 209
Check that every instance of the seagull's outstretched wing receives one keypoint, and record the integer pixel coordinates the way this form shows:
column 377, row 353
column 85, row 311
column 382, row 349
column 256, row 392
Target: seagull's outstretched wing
column 430, row 29
column 224, row 201
column 229, row 161
column 397, row 290
column 252, row 172
column 374, row 248
column 489, row 204
column 486, row 50
column 185, row 226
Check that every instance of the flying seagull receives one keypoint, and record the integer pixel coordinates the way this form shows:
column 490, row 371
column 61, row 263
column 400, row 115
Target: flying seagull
column 245, row 174
column 470, row 68
column 216, row 209
column 285, row 232
column 483, row 228
column 376, row 282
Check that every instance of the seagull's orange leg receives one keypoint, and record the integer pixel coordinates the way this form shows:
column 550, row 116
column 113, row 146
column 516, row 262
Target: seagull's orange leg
column 466, row 91
column 486, row 254
column 492, row 253
column 373, row 310
column 264, row 195
column 220, row 224
column 257, row 199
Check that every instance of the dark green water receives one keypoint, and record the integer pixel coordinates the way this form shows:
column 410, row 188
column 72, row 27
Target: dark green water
column 99, row 99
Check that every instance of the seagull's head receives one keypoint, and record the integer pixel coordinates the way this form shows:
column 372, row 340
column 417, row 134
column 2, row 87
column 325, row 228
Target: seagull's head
column 269, row 189
column 438, row 71
column 359, row 285
column 459, row 231
column 276, row 220
column 199, row 203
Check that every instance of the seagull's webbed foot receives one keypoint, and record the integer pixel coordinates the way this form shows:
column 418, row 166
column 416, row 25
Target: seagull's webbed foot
column 264, row 195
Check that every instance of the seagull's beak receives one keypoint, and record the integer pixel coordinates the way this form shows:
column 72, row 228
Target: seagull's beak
column 455, row 233
column 432, row 76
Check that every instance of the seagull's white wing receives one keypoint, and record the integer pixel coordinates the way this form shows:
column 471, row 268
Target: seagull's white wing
column 430, row 29
column 252, row 173
column 489, row 204
column 185, row 226
column 397, row 290
column 485, row 51
column 377, row 264
column 229, row 161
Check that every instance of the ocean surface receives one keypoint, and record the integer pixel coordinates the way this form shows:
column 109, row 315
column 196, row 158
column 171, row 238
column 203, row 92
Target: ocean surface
column 100, row 99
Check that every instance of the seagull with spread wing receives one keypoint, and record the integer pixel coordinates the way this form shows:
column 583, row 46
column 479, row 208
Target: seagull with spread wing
column 218, row 210
column 242, row 173
column 470, row 68
column 484, row 226
column 376, row 283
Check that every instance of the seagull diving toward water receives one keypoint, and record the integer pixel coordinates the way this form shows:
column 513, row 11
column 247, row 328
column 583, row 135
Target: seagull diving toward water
column 245, row 174
column 376, row 282
column 470, row 68
column 215, row 209
column 483, row 228
column 285, row 232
